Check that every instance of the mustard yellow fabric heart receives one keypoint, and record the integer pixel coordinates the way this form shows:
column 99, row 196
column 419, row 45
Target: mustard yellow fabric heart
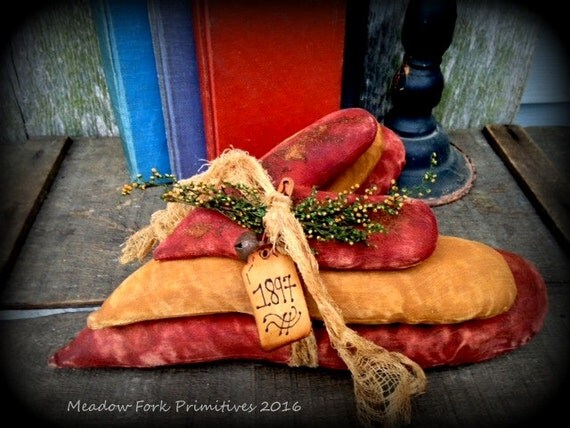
column 461, row 280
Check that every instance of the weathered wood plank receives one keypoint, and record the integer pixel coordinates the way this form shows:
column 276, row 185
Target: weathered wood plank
column 497, row 213
column 27, row 171
column 502, row 392
column 71, row 255
column 57, row 75
column 12, row 125
column 536, row 174
column 554, row 141
column 48, row 391
column 383, row 55
column 488, row 61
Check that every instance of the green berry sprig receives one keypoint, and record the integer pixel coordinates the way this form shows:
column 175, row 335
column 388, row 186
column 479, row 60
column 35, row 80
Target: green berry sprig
column 347, row 217
column 340, row 218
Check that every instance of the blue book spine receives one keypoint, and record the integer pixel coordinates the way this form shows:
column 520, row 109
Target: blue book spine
column 125, row 42
column 179, row 80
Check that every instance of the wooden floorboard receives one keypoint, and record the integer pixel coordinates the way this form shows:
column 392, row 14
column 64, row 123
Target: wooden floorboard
column 496, row 212
column 71, row 256
column 554, row 141
column 537, row 175
column 70, row 259
column 502, row 392
column 27, row 171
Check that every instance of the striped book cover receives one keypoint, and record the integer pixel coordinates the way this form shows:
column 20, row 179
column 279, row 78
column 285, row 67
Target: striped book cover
column 125, row 42
column 175, row 55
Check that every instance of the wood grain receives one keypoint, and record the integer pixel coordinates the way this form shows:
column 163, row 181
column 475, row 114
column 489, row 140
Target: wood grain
column 70, row 259
column 521, row 385
column 71, row 255
column 554, row 141
column 55, row 74
column 545, row 187
column 497, row 212
column 26, row 172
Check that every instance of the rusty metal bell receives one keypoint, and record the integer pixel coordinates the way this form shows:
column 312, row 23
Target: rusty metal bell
column 246, row 244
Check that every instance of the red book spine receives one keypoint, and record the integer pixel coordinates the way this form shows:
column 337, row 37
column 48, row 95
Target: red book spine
column 267, row 69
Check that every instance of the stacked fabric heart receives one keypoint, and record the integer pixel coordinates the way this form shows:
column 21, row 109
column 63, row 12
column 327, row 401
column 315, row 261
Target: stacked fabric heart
column 438, row 300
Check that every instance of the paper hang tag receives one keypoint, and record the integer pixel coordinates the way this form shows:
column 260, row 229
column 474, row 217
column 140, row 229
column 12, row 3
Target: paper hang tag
column 276, row 295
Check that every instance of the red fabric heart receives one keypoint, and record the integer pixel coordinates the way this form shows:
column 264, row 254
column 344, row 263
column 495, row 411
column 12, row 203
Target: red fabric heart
column 411, row 237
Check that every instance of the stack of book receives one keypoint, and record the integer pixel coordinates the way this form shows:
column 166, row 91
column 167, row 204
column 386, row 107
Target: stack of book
column 189, row 79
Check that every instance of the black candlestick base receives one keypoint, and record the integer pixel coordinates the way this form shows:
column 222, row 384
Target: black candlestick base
column 453, row 174
column 416, row 90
